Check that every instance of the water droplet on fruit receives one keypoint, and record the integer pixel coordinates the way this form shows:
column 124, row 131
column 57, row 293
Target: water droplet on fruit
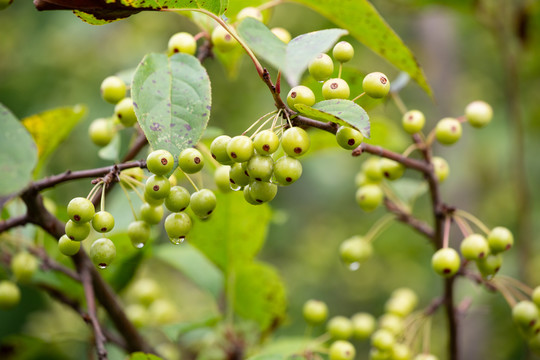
column 178, row 240
column 353, row 266
column 138, row 245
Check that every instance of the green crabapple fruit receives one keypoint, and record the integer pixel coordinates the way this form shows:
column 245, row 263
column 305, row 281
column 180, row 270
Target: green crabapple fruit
column 369, row 197
column 238, row 176
column 262, row 192
column 113, row 89
column 221, row 178
column 266, row 142
column 335, row 89
column 157, row 187
column 10, row 295
column 479, row 113
column 101, row 131
column 160, row 162
column 162, row 312
column 222, row 40
column 339, row 328
column 103, row 221
column 448, row 131
column 203, row 202
column 137, row 314
column 341, row 350
column 500, row 239
column 383, row 339
column 250, row 11
column 315, row 312
column 24, row 265
column 536, row 296
column 441, row 168
column 401, row 352
column 218, row 149
column 287, row 170
column 80, row 210
column 247, row 196
column 5, row 3
column 376, row 85
column 525, row 314
column 182, row 42
column 355, row 250
column 77, row 231
column 474, row 247
column 446, row 262
column 151, row 214
column 139, row 233
column 348, row 138
column 240, row 148
column 489, row 265
column 102, row 252
column 343, row 51
column 413, row 121
column 392, row 323
column 135, row 173
column 67, row 246
column 177, row 226
column 321, row 68
column 372, row 169
column 282, row 34
column 145, row 291
column 300, row 95
column 392, row 170
column 295, row 141
column 363, row 325
column 125, row 112
column 260, row 167
column 190, row 161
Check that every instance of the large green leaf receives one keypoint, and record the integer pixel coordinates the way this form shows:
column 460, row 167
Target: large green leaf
column 263, row 42
column 18, row 153
column 234, row 233
column 259, row 294
column 339, row 111
column 172, row 100
column 194, row 265
column 50, row 128
column 367, row 26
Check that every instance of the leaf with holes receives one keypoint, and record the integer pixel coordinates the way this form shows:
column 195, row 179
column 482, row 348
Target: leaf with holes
column 339, row 111
column 172, row 100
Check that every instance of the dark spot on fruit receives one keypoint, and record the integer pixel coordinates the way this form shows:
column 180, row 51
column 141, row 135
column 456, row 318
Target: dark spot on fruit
column 350, row 142
column 182, row 209
column 334, row 86
column 76, row 217
column 386, row 174
column 266, row 147
column 71, row 237
column 233, row 155
column 453, row 128
column 164, row 161
column 497, row 269
column 228, row 37
column 176, row 50
column 119, row 116
column 447, row 271
column 208, row 213
column 245, row 172
column 297, row 150
column 259, row 201
column 293, row 94
column 347, row 352
column 532, row 322
column 411, row 118
column 197, row 160
column 508, row 246
column 258, row 179
column 232, row 181
column 156, row 188
column 103, row 229
column 288, row 179
column 383, row 80
column 481, row 255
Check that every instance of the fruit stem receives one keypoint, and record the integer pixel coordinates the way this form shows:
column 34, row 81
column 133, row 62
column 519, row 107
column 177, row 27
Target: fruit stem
column 399, row 102
column 340, row 69
column 190, row 180
column 378, row 227
column 129, row 200
column 128, row 180
column 359, row 96
column 517, row 284
column 473, row 219
column 94, row 190
column 463, row 226
column 102, row 205
column 426, row 335
column 506, row 294
column 264, row 123
column 410, row 149
column 257, row 121
column 446, row 234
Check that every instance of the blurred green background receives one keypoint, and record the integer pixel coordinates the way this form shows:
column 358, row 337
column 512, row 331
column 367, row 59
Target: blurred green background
column 470, row 50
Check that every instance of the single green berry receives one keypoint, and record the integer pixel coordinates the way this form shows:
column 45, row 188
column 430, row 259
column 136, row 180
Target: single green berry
column 157, row 186
column 287, row 170
column 151, row 214
column 392, row 170
column 160, row 162
column 500, row 239
column 139, row 233
column 335, row 89
column 355, row 250
column 392, row 323
column 10, row 295
column 446, row 262
column 260, row 167
column 138, row 315
column 240, row 148
column 339, row 328
column 67, row 246
column 203, row 202
column 441, row 168
column 300, row 95
column 369, row 197
column 474, row 247
column 101, row 131
column 247, row 196
column 373, row 170
column 413, row 121
column 103, row 221
column 113, row 89
column 24, row 265
column 125, row 112
column 238, row 177
column 218, row 149
column 178, row 199
column 177, row 226
column 348, row 138
column 282, row 34
column 315, row 312
column 222, row 40
column 145, row 291
column 182, row 42
column 266, row 142
column 77, row 231
column 363, row 325
column 162, row 312
column 343, row 51
column 102, row 252
column 376, row 85
column 402, row 302
column 490, row 265
column 190, row 161
column 221, row 178
column 321, row 68
column 525, row 314
column 80, row 210
column 295, row 141
column 251, row 12
column 479, row 113
column 341, row 350
column 383, row 339
column 401, row 352
column 448, row 131
column 262, row 191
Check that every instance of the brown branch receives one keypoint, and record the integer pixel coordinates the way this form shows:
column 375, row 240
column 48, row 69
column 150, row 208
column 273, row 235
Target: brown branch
column 409, row 219
column 47, row 263
column 13, row 222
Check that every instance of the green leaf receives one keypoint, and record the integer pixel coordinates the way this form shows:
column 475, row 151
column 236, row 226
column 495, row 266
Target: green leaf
column 259, row 294
column 263, row 42
column 172, row 100
column 18, row 153
column 304, row 48
column 173, row 331
column 339, row 111
column 367, row 26
column 194, row 265
column 143, row 356
column 234, row 233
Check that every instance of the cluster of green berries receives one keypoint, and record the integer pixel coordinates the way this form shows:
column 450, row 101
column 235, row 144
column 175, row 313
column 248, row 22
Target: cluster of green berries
column 253, row 165
column 486, row 252
column 526, row 315
column 103, row 130
column 23, row 267
column 147, row 305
